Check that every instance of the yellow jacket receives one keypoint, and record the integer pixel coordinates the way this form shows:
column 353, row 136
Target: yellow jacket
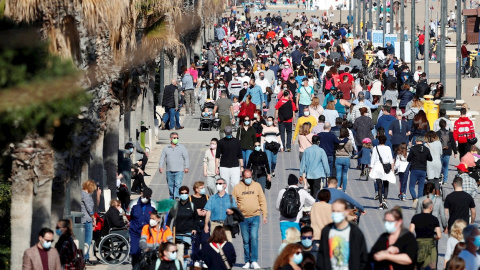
column 303, row 120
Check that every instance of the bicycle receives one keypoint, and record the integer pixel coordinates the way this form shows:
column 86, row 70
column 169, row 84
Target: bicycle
column 471, row 71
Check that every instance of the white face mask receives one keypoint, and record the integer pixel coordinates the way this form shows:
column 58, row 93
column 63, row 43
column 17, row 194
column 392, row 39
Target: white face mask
column 219, row 187
column 255, row 115
column 307, row 113
column 144, row 200
column 121, row 211
column 153, row 222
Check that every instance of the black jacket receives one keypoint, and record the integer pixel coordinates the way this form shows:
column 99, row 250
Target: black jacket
column 233, row 221
column 169, row 96
column 258, row 163
column 418, row 157
column 358, row 260
column 422, row 89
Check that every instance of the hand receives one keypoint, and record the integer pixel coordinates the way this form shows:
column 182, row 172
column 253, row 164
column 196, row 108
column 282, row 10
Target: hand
column 264, row 220
column 446, row 230
column 281, row 149
column 160, row 170
column 205, row 228
column 380, row 256
column 205, row 173
column 393, row 250
column 241, row 169
column 455, row 155
column 194, row 232
column 217, row 171
column 233, row 120
column 141, row 171
column 203, row 213
column 186, row 170
column 269, row 177
column 229, row 211
column 363, row 213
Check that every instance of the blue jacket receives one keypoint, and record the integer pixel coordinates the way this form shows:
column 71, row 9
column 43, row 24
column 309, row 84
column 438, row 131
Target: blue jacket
column 140, row 216
column 297, row 57
column 256, row 93
column 336, row 194
column 404, row 96
column 328, row 141
column 399, row 135
column 314, row 163
column 385, row 121
column 364, row 155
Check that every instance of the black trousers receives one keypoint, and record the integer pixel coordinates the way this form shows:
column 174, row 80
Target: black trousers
column 315, row 186
column 463, row 148
column 382, row 185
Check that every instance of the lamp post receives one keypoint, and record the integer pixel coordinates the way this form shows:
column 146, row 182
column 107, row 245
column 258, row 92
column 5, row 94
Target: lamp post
column 402, row 30
column 459, row 50
column 443, row 71
column 412, row 39
column 426, row 51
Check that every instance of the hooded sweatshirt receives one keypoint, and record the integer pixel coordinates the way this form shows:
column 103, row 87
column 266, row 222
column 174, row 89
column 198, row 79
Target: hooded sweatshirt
column 418, row 157
column 250, row 199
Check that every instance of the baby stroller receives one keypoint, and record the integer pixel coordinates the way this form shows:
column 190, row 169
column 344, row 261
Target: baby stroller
column 207, row 117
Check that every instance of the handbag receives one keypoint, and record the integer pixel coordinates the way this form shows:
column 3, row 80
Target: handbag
column 272, row 146
column 224, row 258
column 268, row 185
column 386, row 167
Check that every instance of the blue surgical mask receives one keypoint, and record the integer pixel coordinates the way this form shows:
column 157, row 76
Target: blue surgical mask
column 258, row 148
column 307, row 243
column 298, row 258
column 46, row 245
column 390, row 226
column 338, row 217
column 228, row 136
column 131, row 150
column 172, row 256
column 183, row 197
column 202, row 191
column 476, row 242
column 58, row 231
column 248, row 181
column 246, row 123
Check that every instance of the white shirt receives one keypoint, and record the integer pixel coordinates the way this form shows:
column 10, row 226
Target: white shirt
column 471, row 261
column 305, row 198
column 416, row 75
column 263, row 84
column 381, row 55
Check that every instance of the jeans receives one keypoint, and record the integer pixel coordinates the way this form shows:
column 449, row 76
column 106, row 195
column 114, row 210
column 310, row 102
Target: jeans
column 403, row 180
column 200, row 238
column 88, row 238
column 286, row 128
column 331, row 164
column 342, row 164
column 174, row 181
column 169, row 116
column 445, row 160
column 246, row 154
column 284, row 225
column 315, row 186
column 272, row 159
column 230, row 175
column 417, row 176
column 262, row 180
column 249, row 228
column 265, row 98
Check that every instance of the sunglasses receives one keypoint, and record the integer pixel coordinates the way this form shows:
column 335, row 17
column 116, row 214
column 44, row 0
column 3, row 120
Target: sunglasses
column 220, row 183
column 307, row 237
column 48, row 241
column 183, row 193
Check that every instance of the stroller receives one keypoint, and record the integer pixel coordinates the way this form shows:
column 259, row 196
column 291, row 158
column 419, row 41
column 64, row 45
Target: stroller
column 207, row 119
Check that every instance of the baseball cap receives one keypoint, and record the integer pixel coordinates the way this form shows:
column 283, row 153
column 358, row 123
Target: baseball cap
column 228, row 130
column 462, row 167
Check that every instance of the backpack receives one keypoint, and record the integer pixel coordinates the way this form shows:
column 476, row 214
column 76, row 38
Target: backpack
column 290, row 203
column 78, row 260
column 159, row 262
column 444, row 138
column 329, row 84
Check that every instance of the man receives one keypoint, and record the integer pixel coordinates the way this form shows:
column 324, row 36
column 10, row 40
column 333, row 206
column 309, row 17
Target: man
column 307, row 60
column 234, row 86
column 391, row 81
column 471, row 234
column 304, row 198
column 257, row 95
column 218, row 207
column 343, row 245
column 427, row 230
column 125, row 163
column 170, row 103
column 304, row 96
column 327, row 143
column 263, row 83
column 422, row 86
column 309, row 245
column 306, row 117
column 463, row 130
column 448, row 145
column 175, row 157
column 296, row 56
column 442, row 113
column 189, row 94
column 314, row 166
column 360, row 104
column 285, row 116
column 209, row 169
column 390, row 48
column 418, row 72
column 319, row 127
column 399, row 130
column 418, row 157
column 42, row 256
column 139, row 212
column 469, row 185
column 252, row 203
column 346, row 87
column 464, row 52
column 459, row 204
column 224, row 108
column 336, row 194
column 229, row 159
column 338, row 125
column 385, row 120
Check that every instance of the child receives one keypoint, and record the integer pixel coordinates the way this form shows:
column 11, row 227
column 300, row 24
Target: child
column 236, row 110
column 401, row 167
column 365, row 154
column 207, row 113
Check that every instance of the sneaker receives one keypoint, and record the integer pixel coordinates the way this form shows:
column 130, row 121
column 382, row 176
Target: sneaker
column 255, row 265
column 146, row 174
column 385, row 205
column 204, row 266
column 362, row 173
column 273, row 174
column 196, row 264
column 246, row 266
column 288, row 150
column 400, row 196
column 376, row 197
column 193, row 114
column 380, row 207
column 404, row 197
column 415, row 202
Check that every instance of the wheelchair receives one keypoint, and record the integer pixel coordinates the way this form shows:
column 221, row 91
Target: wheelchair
column 113, row 248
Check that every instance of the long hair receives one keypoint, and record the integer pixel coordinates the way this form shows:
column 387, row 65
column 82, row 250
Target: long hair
column 218, row 235
column 67, row 223
column 456, row 231
column 402, row 150
column 284, row 257
column 305, row 129
column 420, row 120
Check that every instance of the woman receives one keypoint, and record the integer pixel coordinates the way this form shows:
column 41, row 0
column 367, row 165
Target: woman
column 247, row 108
column 315, row 108
column 456, row 236
column 391, row 94
column 420, row 125
column 153, row 234
column 247, row 136
column 272, row 143
column 211, row 91
column 412, row 109
column 211, row 253
column 258, row 123
column 330, row 113
column 404, row 97
column 321, row 213
column 304, row 138
column 342, row 159
column 439, row 92
column 65, row 245
column 114, row 219
column 292, row 235
column 396, row 248
column 363, row 128
column 382, row 155
column 167, row 257
column 88, row 187
column 284, row 88
column 340, row 104
column 203, row 93
column 183, row 219
column 434, row 167
column 290, row 258
column 258, row 164
column 376, row 89
column 199, row 200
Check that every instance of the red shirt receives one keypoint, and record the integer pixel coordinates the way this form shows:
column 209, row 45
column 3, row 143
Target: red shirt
column 464, row 51
column 283, row 101
column 43, row 257
column 421, row 39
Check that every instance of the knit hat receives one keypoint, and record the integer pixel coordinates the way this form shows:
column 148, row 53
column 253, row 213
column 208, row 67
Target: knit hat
column 292, row 180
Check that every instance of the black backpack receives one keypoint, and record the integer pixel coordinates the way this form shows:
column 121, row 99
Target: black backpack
column 444, row 138
column 290, row 203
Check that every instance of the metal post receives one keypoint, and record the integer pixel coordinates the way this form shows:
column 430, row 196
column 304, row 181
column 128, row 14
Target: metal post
column 402, row 30
column 378, row 16
column 349, row 13
column 354, row 29
column 465, row 17
column 358, row 18
column 391, row 17
column 443, row 71
column 426, row 51
column 459, row 52
column 384, row 21
column 412, row 36
column 370, row 15
column 363, row 18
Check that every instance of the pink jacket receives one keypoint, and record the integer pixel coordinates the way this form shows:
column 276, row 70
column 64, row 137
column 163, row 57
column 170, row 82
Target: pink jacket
column 286, row 72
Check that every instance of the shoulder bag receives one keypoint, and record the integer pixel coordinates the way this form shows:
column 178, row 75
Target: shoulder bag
column 386, row 167
column 224, row 258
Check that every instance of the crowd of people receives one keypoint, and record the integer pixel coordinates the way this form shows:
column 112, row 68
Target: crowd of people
column 269, row 84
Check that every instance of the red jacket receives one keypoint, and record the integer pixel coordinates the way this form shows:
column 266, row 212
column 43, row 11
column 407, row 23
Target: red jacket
column 463, row 130
column 464, row 51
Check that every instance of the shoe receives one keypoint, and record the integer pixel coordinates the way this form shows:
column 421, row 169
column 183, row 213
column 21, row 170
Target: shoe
column 415, row 202
column 400, row 196
column 376, row 197
column 273, row 174
column 196, row 264
column 362, row 173
column 193, row 114
column 88, row 262
column 255, row 265
column 179, row 128
column 339, row 188
column 380, row 207
column 246, row 266
column 359, row 168
column 288, row 150
column 204, row 266
column 385, row 205
column 404, row 197
column 146, row 174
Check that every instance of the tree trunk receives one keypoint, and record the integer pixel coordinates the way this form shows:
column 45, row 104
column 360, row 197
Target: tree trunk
column 110, row 148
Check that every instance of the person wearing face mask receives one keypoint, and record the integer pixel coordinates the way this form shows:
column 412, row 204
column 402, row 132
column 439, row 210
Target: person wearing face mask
column 309, row 246
column 125, row 163
column 42, row 256
column 272, row 143
column 234, row 86
column 427, row 230
column 251, row 202
column 247, row 137
column 175, row 157
column 209, row 169
column 290, row 258
column 342, row 243
column 65, row 245
column 258, row 164
column 470, row 255
column 243, row 91
column 304, row 118
column 396, row 248
column 114, row 219
column 155, row 233
column 139, row 213
column 304, row 96
column 88, row 219
column 199, row 200
column 167, row 257
column 257, row 94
